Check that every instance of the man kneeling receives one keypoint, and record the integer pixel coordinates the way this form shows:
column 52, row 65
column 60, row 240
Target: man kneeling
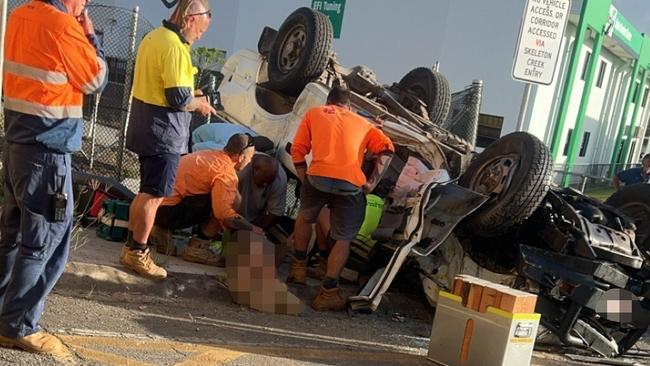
column 205, row 194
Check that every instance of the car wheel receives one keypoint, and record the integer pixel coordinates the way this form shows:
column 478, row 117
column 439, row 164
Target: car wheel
column 430, row 87
column 634, row 201
column 515, row 171
column 300, row 51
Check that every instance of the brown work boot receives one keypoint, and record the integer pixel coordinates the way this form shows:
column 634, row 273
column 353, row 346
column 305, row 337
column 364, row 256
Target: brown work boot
column 329, row 300
column 298, row 272
column 198, row 251
column 142, row 262
column 123, row 252
column 162, row 239
column 320, row 271
column 40, row 342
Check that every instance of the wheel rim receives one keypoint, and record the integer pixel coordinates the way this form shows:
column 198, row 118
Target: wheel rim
column 495, row 176
column 292, row 48
column 640, row 213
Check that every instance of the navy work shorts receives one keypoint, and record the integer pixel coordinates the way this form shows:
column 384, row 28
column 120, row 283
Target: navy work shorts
column 158, row 173
column 347, row 212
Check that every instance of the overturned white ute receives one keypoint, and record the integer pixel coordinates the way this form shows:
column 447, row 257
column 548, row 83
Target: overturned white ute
column 570, row 250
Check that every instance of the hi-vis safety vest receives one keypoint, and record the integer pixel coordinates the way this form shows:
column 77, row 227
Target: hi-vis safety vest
column 49, row 65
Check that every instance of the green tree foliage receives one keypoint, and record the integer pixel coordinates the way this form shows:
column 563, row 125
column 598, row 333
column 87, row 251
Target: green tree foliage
column 205, row 58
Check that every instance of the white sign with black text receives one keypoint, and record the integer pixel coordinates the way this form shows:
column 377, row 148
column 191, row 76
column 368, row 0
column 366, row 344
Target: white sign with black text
column 539, row 42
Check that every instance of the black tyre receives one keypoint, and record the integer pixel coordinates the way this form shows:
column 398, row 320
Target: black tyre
column 634, row 201
column 430, row 87
column 300, row 51
column 516, row 172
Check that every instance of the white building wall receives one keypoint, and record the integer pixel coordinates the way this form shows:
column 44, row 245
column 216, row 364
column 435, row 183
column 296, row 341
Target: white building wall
column 610, row 120
column 604, row 110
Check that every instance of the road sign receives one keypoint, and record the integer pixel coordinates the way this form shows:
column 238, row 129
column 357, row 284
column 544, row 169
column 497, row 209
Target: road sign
column 539, row 42
column 334, row 10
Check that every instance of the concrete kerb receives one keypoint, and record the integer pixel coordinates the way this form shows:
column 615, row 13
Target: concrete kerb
column 94, row 267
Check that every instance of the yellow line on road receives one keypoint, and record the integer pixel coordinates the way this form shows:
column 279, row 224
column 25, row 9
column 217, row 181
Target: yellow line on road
column 199, row 354
column 108, row 358
column 135, row 344
column 206, row 354
column 215, row 357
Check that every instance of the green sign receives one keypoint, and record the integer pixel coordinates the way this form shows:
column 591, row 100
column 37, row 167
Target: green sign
column 624, row 31
column 334, row 10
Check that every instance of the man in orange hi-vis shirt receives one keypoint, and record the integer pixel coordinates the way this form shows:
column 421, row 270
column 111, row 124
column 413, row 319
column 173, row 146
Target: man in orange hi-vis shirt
column 52, row 58
column 338, row 140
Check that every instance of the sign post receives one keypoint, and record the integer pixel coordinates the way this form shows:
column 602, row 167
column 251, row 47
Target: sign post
column 334, row 10
column 540, row 37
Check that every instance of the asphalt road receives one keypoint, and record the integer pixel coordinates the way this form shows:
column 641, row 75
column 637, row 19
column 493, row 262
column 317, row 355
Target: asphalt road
column 161, row 326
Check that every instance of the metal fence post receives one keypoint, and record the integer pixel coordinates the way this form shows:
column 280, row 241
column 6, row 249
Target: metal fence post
column 126, row 98
column 212, row 87
column 93, row 130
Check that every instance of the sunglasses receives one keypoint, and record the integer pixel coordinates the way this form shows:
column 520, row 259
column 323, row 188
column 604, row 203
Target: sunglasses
column 207, row 13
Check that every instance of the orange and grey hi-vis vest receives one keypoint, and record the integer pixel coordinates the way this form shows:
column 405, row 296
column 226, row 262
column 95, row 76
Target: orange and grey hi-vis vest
column 49, row 65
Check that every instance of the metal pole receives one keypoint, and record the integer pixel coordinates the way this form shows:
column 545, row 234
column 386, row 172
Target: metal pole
column 3, row 23
column 126, row 99
column 524, row 107
column 212, row 88
column 93, row 130
column 637, row 106
column 576, row 136
column 621, row 127
column 581, row 32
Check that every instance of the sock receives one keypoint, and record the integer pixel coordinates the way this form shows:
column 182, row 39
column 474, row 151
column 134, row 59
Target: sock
column 324, row 253
column 300, row 255
column 330, row 283
column 134, row 245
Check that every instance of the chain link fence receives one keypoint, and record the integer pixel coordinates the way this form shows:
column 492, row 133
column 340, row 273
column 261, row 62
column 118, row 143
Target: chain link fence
column 589, row 178
column 103, row 153
column 464, row 112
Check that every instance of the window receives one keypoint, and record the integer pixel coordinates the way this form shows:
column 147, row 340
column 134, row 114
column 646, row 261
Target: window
column 566, row 144
column 601, row 74
column 645, row 97
column 585, row 144
column 636, row 92
column 585, row 66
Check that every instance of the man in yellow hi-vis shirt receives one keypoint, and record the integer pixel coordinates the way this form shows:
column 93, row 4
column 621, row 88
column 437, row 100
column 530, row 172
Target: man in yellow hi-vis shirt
column 158, row 131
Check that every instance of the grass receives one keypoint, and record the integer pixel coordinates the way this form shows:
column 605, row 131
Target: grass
column 600, row 194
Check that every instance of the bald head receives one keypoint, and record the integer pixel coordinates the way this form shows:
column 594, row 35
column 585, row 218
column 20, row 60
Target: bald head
column 265, row 169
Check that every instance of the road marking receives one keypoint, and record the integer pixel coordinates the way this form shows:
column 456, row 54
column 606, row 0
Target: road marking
column 206, row 354
column 108, row 358
column 198, row 354
column 214, row 357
